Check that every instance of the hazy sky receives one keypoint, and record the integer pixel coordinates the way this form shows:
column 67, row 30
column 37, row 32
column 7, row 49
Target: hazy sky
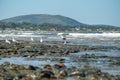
column 85, row 11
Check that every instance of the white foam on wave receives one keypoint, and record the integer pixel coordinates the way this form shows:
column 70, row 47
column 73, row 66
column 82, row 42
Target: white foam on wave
column 94, row 34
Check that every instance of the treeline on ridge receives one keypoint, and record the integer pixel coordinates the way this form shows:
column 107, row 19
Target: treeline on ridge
column 56, row 27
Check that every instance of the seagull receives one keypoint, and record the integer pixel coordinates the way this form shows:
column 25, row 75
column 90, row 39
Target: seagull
column 63, row 36
column 41, row 40
column 7, row 41
column 14, row 40
column 32, row 39
column 65, row 42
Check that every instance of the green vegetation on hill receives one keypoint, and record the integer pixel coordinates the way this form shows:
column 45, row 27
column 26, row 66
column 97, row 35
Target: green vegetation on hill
column 45, row 22
column 57, row 27
column 44, row 18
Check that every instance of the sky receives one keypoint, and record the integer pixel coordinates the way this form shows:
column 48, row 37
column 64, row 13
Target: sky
column 85, row 11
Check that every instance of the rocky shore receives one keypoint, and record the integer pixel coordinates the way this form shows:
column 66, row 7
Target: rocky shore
column 60, row 71
column 28, row 72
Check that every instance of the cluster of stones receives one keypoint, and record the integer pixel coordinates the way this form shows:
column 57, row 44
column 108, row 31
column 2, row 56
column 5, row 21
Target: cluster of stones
column 27, row 72
column 25, row 49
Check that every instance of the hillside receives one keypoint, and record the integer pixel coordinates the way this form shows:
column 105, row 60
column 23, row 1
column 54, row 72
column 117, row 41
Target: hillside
column 52, row 23
column 44, row 18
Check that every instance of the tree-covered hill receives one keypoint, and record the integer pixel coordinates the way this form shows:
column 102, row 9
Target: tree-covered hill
column 57, row 27
column 44, row 18
column 52, row 23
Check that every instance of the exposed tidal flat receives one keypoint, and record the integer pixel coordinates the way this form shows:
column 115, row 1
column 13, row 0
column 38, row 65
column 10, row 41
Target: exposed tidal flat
column 81, row 58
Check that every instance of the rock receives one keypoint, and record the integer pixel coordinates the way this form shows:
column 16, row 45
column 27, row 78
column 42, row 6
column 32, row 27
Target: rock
column 66, row 52
column 29, row 67
column 6, row 63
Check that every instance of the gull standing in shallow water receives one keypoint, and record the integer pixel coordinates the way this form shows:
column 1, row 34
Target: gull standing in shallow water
column 41, row 40
column 63, row 36
column 32, row 39
column 7, row 41
column 13, row 40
